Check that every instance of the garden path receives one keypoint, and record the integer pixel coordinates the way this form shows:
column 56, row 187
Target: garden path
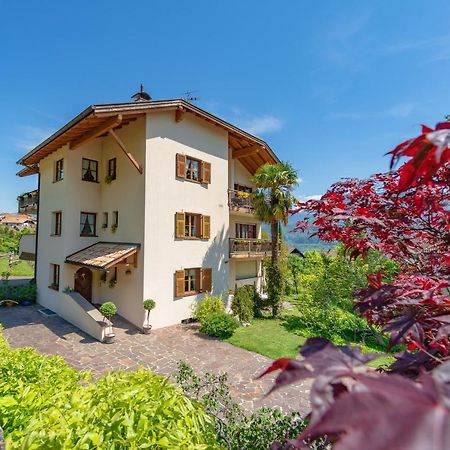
column 160, row 351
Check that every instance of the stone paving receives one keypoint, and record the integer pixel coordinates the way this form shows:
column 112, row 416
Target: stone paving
column 160, row 351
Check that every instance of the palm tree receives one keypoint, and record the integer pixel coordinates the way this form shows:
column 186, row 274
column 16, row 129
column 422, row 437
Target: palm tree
column 273, row 198
column 272, row 201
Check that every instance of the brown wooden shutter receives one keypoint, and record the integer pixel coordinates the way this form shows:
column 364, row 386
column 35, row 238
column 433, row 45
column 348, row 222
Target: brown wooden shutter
column 179, row 225
column 206, row 172
column 206, row 280
column 206, row 227
column 179, row 283
column 181, row 165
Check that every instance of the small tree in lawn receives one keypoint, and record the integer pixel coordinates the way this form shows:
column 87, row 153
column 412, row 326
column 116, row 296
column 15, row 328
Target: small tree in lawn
column 272, row 201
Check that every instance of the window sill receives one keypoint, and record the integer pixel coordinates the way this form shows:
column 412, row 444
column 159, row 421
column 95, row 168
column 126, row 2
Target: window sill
column 57, row 181
column 55, row 235
column 88, row 235
column 187, row 294
column 91, row 181
column 54, row 288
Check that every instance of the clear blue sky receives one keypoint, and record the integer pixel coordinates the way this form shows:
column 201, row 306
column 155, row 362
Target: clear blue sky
column 331, row 85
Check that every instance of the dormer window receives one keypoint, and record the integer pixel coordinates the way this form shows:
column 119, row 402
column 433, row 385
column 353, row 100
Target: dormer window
column 89, row 170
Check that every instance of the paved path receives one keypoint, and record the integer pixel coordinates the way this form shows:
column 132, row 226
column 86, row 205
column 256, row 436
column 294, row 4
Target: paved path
column 160, row 351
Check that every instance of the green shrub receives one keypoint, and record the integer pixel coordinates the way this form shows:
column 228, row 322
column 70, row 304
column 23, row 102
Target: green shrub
column 108, row 309
column 45, row 404
column 243, row 303
column 208, row 305
column 234, row 428
column 219, row 325
column 149, row 304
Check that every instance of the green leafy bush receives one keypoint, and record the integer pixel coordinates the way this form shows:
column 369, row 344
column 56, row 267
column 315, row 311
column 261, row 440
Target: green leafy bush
column 325, row 284
column 234, row 428
column 45, row 404
column 208, row 305
column 149, row 304
column 219, row 325
column 17, row 293
column 108, row 309
column 243, row 303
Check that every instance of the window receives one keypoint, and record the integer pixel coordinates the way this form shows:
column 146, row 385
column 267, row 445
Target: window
column 88, row 224
column 89, row 170
column 112, row 166
column 192, row 281
column 54, row 277
column 59, row 170
column 190, row 225
column 57, row 223
column 105, row 220
column 193, row 169
column 242, row 188
column 246, row 231
column 115, row 218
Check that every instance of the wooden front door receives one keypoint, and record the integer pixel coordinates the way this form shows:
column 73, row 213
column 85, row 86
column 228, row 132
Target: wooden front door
column 83, row 282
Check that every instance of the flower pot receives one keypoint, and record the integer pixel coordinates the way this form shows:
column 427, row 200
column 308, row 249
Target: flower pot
column 147, row 329
column 109, row 338
column 8, row 303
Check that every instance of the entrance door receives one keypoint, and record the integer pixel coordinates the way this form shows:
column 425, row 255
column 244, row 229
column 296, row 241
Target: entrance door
column 83, row 283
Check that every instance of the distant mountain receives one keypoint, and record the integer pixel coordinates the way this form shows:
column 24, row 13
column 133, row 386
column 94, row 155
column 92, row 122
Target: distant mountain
column 300, row 240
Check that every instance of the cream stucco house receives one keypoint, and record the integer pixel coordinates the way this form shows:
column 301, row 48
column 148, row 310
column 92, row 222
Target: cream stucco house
column 144, row 200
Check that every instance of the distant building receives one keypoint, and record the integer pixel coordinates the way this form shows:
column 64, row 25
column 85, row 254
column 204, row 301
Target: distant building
column 18, row 221
column 28, row 202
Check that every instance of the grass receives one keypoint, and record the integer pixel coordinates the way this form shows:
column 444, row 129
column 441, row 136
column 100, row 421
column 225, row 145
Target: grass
column 21, row 269
column 267, row 337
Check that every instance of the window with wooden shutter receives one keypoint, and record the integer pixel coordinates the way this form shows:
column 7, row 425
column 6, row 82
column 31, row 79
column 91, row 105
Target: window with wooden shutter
column 206, row 227
column 179, row 283
column 206, row 280
column 206, row 172
column 181, row 165
column 179, row 225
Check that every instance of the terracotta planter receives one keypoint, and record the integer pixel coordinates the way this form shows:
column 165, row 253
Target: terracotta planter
column 9, row 303
column 109, row 338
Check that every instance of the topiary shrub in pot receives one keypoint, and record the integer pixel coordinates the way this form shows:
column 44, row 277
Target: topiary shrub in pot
column 219, row 325
column 149, row 304
column 107, row 310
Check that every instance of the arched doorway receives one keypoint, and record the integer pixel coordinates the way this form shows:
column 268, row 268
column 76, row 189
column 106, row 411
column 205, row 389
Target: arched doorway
column 83, row 283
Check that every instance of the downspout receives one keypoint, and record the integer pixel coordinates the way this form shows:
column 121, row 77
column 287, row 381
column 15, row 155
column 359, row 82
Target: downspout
column 37, row 226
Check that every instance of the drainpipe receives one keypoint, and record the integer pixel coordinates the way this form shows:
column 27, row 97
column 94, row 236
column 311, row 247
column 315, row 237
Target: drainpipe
column 37, row 226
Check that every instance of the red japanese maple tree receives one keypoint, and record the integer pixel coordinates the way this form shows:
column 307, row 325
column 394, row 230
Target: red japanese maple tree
column 404, row 214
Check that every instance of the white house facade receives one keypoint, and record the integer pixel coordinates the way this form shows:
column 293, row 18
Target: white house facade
column 145, row 200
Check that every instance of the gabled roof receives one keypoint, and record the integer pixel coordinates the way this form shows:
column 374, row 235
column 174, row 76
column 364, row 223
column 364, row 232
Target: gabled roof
column 95, row 121
column 12, row 218
column 102, row 255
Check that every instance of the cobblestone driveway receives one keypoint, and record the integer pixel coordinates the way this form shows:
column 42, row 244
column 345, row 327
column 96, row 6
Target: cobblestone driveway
column 160, row 351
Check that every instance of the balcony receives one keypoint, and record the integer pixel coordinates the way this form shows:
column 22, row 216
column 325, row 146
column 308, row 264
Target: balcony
column 249, row 248
column 239, row 201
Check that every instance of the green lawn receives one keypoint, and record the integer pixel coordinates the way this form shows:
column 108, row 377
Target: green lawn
column 267, row 337
column 270, row 338
column 22, row 268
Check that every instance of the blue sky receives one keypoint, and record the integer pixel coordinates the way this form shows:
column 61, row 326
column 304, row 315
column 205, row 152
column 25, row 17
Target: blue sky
column 330, row 85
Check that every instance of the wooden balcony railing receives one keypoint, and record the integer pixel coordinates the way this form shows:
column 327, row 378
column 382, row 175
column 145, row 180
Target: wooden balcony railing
column 240, row 201
column 249, row 247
